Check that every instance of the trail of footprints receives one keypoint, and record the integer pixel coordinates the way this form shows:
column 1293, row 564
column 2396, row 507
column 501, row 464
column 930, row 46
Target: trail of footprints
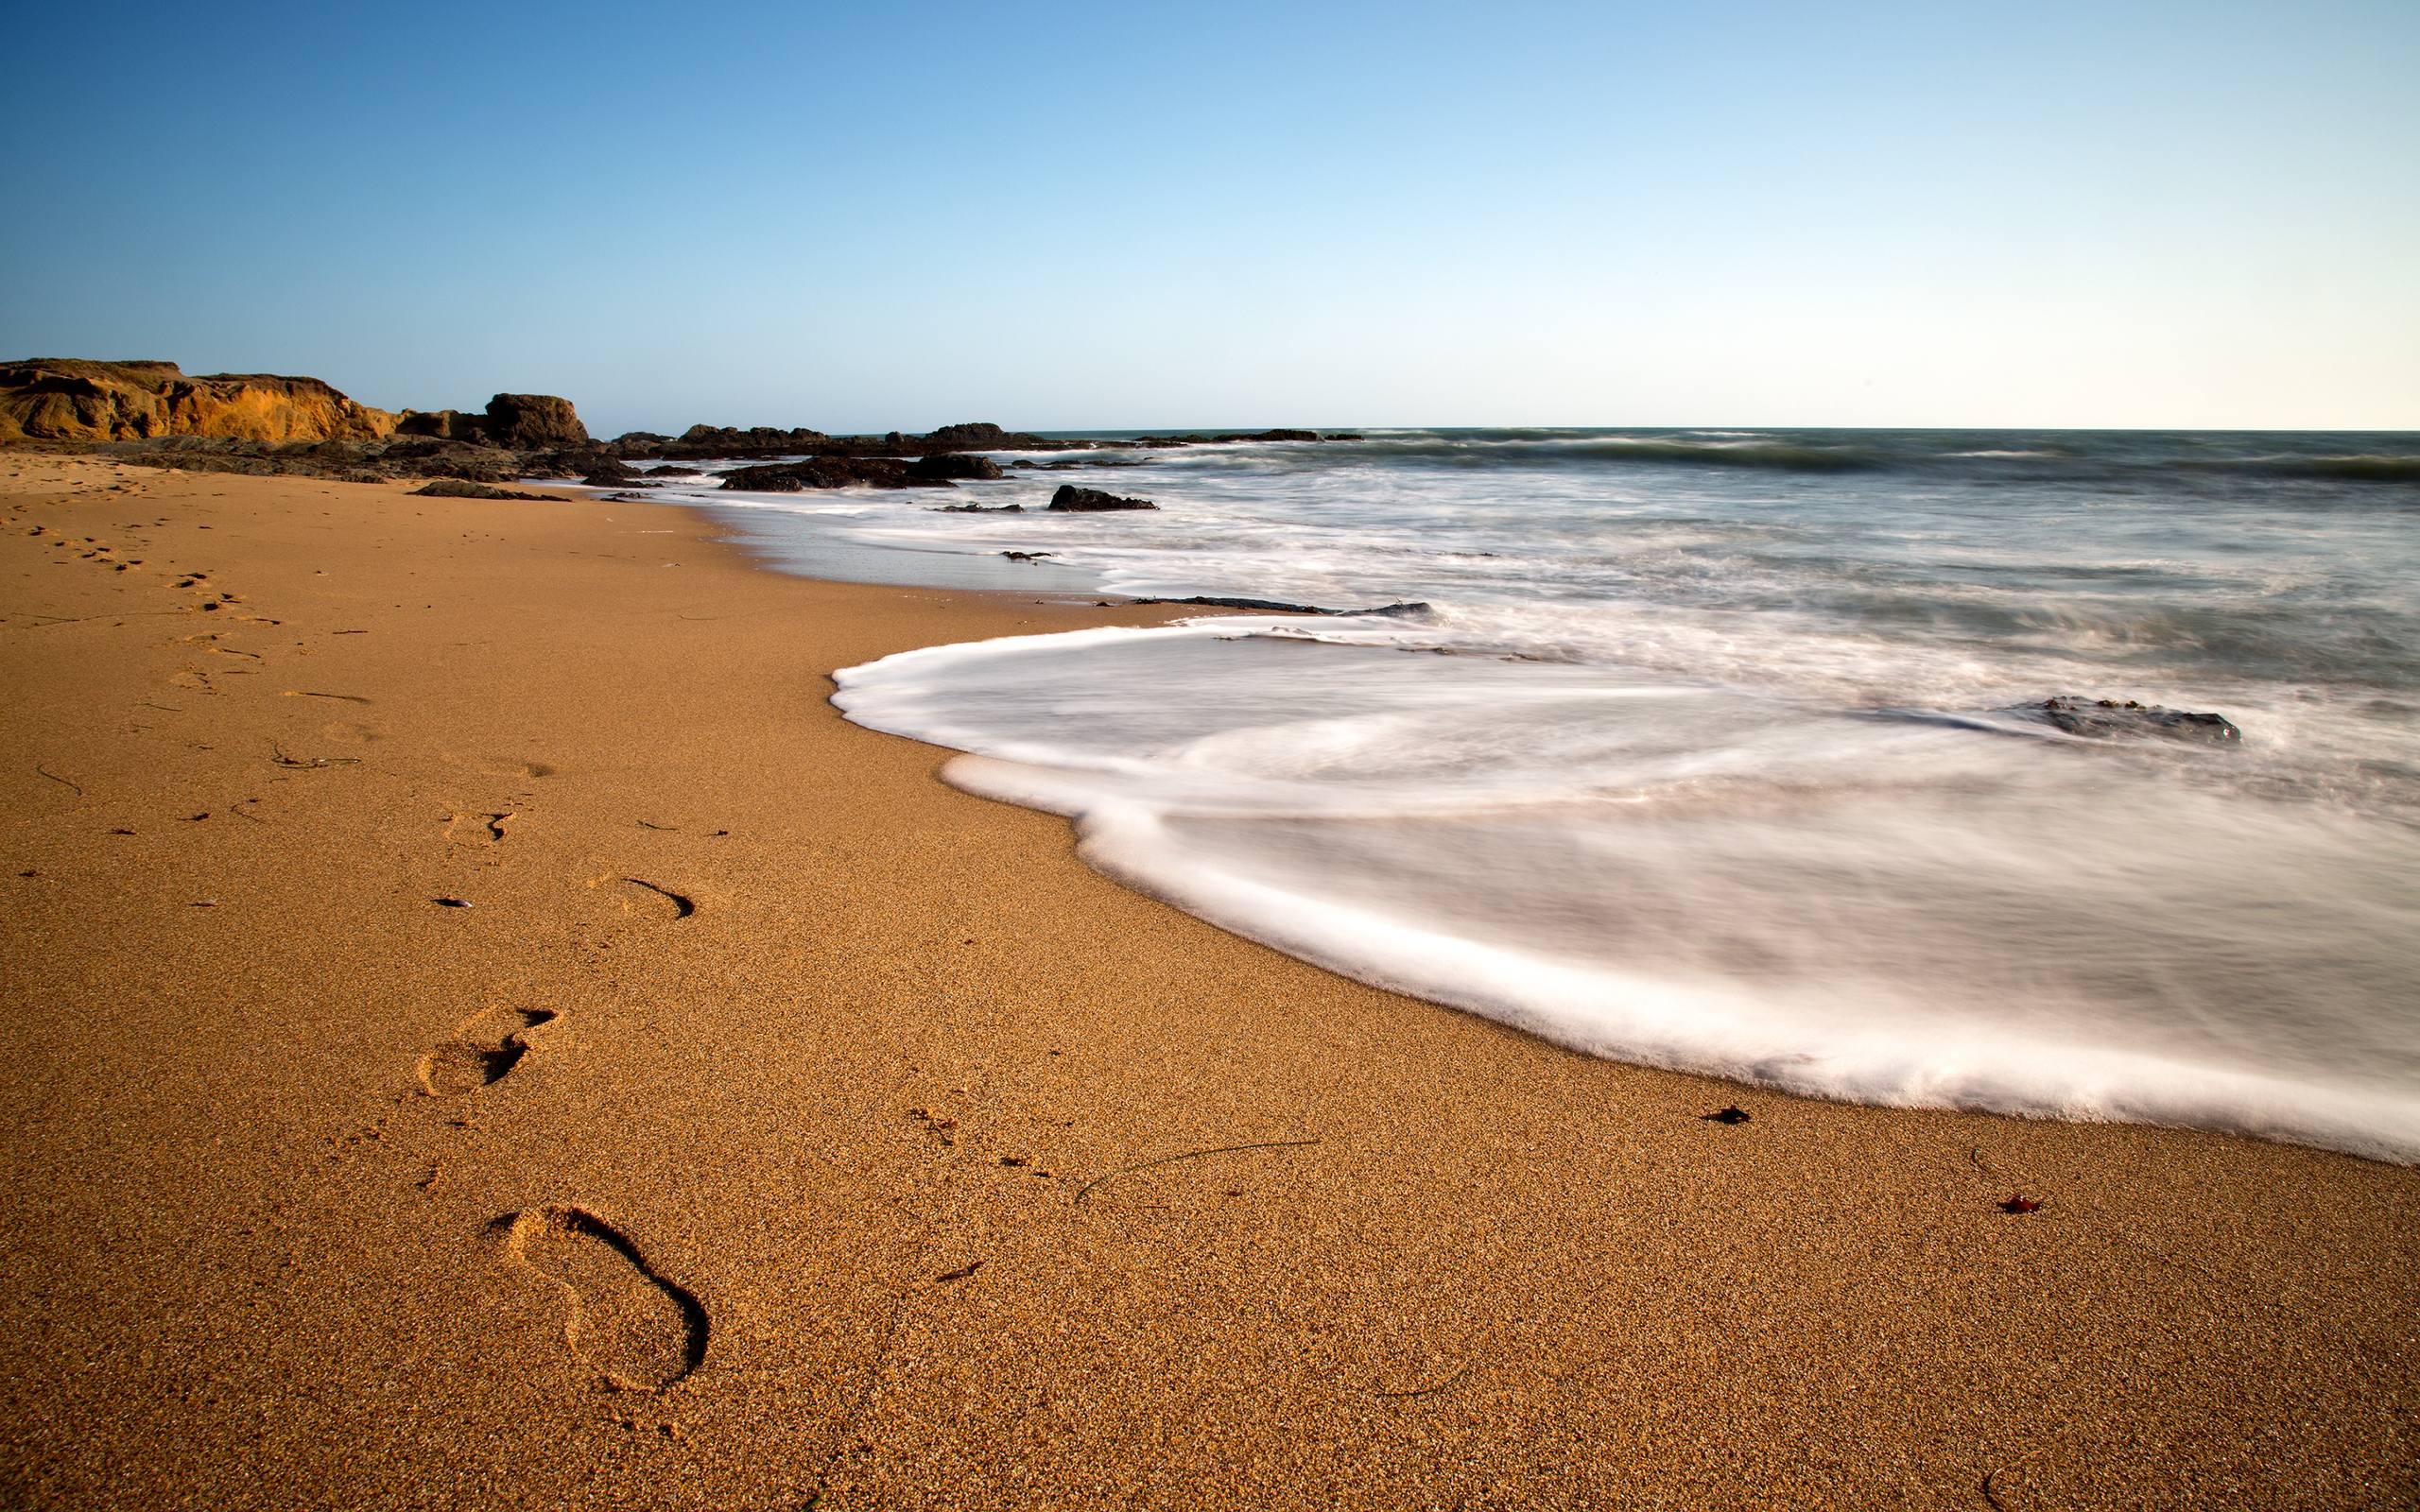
column 638, row 1328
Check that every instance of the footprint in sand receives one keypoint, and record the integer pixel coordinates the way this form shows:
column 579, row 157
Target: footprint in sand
column 480, row 829
column 481, row 1051
column 639, row 896
column 511, row 766
column 642, row 1331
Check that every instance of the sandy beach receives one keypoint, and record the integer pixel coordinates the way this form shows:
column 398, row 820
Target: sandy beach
column 776, row 1126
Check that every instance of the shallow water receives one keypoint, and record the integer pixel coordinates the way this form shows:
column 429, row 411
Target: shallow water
column 1714, row 750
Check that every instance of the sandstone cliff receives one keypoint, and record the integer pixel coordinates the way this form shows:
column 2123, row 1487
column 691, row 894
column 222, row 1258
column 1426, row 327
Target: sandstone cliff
column 67, row 400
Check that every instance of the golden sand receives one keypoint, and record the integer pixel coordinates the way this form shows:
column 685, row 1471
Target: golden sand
column 777, row 1127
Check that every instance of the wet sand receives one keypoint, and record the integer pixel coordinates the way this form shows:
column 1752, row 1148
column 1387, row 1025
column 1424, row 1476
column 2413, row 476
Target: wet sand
column 777, row 1127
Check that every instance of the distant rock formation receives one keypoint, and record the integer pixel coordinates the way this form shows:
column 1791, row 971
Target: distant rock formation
column 520, row 422
column 1158, row 442
column 68, row 400
column 531, row 422
column 1092, row 501
column 972, row 436
column 151, row 413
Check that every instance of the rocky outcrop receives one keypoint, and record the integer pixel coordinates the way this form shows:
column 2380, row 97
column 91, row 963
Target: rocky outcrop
column 1071, row 499
column 530, row 423
column 523, row 422
column 2105, row 718
column 974, row 436
column 68, row 400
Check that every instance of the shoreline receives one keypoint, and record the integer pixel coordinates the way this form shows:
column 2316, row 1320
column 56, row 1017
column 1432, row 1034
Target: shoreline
column 886, row 1103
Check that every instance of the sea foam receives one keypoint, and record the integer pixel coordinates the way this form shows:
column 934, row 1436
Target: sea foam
column 1827, row 901
column 1723, row 750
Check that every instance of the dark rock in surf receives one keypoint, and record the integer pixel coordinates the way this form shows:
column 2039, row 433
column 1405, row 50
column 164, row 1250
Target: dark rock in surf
column 978, row 508
column 605, row 471
column 2106, row 718
column 946, row 465
column 1071, row 499
column 829, row 472
column 1274, row 606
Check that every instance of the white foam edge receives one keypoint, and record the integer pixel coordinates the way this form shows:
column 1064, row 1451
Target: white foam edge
column 1700, row 1028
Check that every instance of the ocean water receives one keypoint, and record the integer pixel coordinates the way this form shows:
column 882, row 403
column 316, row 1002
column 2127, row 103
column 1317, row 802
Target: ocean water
column 1721, row 750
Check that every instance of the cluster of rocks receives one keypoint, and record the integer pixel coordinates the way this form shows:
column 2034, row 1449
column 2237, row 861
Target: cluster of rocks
column 152, row 413
column 941, row 469
column 703, row 441
column 520, row 422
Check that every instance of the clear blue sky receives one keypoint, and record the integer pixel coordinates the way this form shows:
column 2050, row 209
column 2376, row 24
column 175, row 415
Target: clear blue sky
column 861, row 216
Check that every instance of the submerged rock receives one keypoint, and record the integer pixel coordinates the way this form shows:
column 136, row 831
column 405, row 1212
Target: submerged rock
column 1278, row 606
column 2103, row 718
column 1072, row 499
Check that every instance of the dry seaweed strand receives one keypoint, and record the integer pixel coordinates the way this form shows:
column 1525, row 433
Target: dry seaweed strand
column 1189, row 1155
column 314, row 764
column 56, row 777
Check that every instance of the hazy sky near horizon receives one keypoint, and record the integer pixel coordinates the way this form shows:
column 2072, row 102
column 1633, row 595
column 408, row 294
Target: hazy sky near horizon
column 859, row 216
